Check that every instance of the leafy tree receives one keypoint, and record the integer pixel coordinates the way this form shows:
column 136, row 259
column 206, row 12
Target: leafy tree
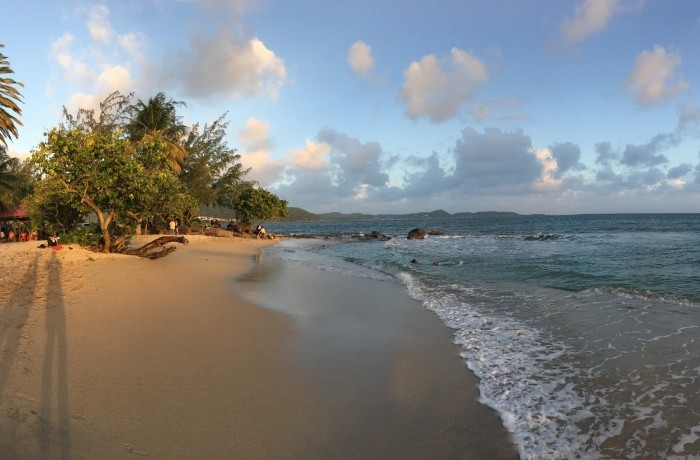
column 113, row 115
column 8, row 180
column 107, row 174
column 9, row 97
column 212, row 168
column 157, row 119
column 255, row 203
column 51, row 207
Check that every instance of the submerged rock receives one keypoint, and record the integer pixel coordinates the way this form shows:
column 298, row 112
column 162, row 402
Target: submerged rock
column 416, row 234
column 373, row 235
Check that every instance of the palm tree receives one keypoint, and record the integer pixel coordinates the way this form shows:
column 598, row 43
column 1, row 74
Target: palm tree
column 9, row 180
column 157, row 119
column 9, row 96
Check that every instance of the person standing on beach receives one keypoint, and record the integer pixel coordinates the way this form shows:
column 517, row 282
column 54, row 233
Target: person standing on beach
column 172, row 226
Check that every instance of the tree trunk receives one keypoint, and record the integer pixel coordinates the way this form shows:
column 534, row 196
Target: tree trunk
column 156, row 248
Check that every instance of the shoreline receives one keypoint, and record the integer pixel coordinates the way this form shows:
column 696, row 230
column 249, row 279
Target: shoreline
column 113, row 356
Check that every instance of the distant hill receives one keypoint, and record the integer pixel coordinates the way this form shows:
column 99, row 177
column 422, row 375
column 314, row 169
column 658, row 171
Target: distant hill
column 298, row 214
column 302, row 215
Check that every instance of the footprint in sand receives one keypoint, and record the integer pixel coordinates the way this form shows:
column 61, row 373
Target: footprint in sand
column 132, row 450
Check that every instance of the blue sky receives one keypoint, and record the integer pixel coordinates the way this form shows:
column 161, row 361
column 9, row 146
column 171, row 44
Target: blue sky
column 392, row 106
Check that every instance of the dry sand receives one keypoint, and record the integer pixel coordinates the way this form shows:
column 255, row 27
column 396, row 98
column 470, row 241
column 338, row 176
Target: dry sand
column 112, row 356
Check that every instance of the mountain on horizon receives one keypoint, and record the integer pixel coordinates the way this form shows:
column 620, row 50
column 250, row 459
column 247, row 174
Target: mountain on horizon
column 301, row 215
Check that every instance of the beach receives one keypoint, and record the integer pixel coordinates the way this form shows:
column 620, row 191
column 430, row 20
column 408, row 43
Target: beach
column 113, row 356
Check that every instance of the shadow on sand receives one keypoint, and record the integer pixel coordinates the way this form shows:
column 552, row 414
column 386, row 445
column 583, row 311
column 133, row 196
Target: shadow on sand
column 28, row 430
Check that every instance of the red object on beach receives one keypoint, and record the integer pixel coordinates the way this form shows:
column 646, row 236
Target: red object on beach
column 56, row 248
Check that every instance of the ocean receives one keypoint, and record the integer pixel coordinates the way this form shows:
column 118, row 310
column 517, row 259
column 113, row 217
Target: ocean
column 584, row 330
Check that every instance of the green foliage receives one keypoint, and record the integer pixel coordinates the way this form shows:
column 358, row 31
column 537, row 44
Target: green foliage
column 9, row 97
column 157, row 119
column 8, row 180
column 84, row 236
column 50, row 207
column 212, row 172
column 113, row 114
column 259, row 204
column 129, row 163
column 107, row 174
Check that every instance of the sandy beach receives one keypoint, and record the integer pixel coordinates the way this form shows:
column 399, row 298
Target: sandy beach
column 111, row 356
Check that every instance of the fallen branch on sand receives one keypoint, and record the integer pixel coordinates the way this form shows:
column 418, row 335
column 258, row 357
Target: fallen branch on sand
column 150, row 250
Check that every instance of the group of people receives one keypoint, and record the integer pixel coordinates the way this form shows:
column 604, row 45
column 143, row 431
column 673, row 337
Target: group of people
column 9, row 235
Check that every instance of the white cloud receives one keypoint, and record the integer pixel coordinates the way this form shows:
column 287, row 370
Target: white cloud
column 256, row 152
column 548, row 180
column 439, row 88
column 222, row 65
column 654, row 79
column 98, row 25
column 255, row 134
column 132, row 43
column 495, row 160
column 590, row 17
column 360, row 58
column 113, row 78
column 312, row 156
column 74, row 70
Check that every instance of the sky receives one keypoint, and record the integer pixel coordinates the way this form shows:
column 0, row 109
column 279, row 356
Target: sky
column 397, row 106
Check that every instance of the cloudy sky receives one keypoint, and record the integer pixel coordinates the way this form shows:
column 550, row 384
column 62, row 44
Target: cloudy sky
column 532, row 106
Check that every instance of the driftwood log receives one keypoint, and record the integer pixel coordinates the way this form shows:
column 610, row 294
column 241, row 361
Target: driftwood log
column 156, row 248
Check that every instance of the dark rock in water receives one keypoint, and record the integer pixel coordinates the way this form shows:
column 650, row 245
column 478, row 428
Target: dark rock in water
column 435, row 232
column 416, row 234
column 374, row 235
column 379, row 236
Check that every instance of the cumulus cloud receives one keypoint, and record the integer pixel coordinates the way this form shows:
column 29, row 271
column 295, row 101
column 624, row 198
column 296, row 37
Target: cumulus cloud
column 226, row 63
column 360, row 58
column 354, row 163
column 439, row 88
column 679, row 171
column 313, row 156
column 495, row 160
column 337, row 172
column 83, row 69
column 255, row 153
column 222, row 64
column 255, row 134
column 567, row 156
column 98, row 25
column 605, row 153
column 590, row 17
column 642, row 155
column 73, row 69
column 654, row 79
column 550, row 178
column 425, row 174
column 113, row 78
column 335, row 169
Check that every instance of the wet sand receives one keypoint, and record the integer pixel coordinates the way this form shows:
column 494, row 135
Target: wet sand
column 110, row 356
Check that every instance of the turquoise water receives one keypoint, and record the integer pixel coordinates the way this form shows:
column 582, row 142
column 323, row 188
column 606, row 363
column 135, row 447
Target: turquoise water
column 584, row 331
